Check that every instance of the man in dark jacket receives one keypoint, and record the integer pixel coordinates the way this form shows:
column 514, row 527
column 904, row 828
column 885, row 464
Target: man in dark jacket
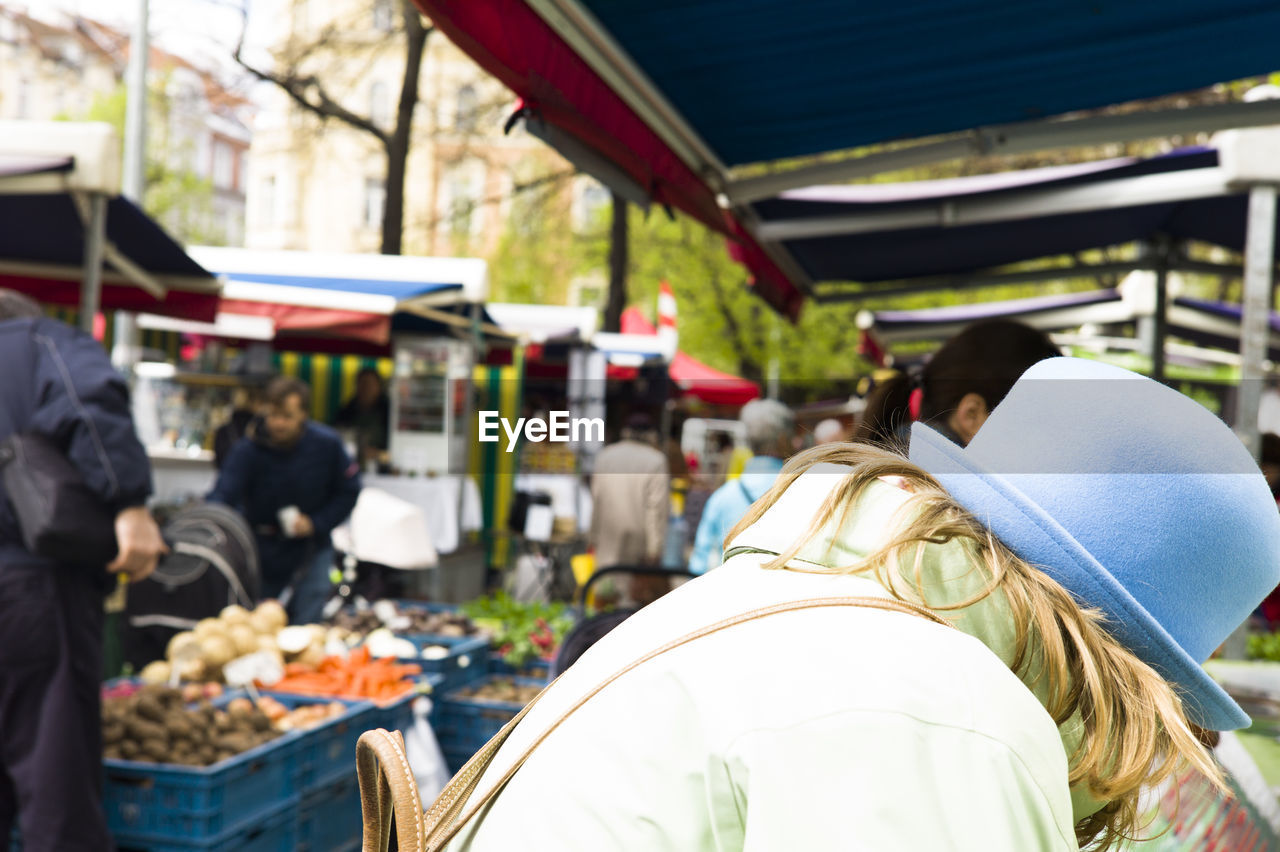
column 294, row 482
column 58, row 382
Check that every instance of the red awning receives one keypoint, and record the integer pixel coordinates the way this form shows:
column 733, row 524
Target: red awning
column 183, row 304
column 692, row 376
column 301, row 320
column 511, row 42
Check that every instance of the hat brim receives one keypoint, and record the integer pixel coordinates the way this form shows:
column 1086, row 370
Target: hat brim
column 1038, row 539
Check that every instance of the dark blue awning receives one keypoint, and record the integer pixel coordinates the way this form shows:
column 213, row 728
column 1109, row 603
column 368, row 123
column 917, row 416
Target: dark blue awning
column 874, row 253
column 42, row 253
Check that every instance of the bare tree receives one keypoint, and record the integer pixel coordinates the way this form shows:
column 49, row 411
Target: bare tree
column 301, row 82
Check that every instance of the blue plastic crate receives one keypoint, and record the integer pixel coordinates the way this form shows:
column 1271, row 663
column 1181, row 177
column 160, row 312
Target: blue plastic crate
column 468, row 659
column 536, row 669
column 327, row 751
column 329, row 819
column 187, row 803
column 463, row 725
column 276, row 831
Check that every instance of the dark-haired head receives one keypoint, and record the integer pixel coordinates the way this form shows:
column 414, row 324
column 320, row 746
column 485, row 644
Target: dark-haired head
column 961, row 384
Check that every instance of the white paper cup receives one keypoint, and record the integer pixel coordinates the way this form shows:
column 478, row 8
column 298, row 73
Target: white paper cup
column 288, row 520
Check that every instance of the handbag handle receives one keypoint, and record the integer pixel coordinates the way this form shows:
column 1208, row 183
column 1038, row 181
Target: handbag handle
column 386, row 779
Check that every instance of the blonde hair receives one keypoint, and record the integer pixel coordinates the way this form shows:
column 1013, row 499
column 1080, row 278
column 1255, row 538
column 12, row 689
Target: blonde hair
column 1134, row 730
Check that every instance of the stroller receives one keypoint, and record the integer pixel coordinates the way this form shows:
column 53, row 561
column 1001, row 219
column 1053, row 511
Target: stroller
column 633, row 588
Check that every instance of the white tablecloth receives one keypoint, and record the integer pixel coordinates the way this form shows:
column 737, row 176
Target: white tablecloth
column 438, row 498
column 569, row 497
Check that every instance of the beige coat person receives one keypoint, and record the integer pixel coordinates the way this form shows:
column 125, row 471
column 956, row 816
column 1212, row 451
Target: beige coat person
column 630, row 504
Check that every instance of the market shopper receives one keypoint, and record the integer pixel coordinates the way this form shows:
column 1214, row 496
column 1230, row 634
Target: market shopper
column 630, row 511
column 769, row 425
column 368, row 415
column 293, row 482
column 959, row 386
column 1049, row 593
column 59, row 383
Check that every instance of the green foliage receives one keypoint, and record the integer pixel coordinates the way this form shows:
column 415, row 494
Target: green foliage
column 521, row 631
column 177, row 198
column 1264, row 646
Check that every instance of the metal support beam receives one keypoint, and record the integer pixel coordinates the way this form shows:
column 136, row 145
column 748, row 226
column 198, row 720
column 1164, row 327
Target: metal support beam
column 95, row 238
column 128, row 339
column 1019, row 138
column 1104, row 195
column 1259, row 266
column 985, row 278
column 1160, row 254
column 594, row 44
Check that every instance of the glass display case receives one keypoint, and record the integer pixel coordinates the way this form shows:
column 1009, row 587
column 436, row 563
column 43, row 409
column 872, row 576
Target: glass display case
column 431, row 405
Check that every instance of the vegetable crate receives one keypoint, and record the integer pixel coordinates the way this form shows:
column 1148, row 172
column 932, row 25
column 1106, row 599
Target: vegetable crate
column 327, row 751
column 466, row 661
column 463, row 724
column 276, row 831
column 535, row 669
column 329, row 819
column 397, row 715
column 187, row 804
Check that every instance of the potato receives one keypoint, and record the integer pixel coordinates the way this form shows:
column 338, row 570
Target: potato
column 274, row 611
column 156, row 672
column 185, row 640
column 209, row 627
column 313, row 656
column 218, row 651
column 263, row 623
column 233, row 615
column 192, row 669
column 150, row 709
column 243, row 639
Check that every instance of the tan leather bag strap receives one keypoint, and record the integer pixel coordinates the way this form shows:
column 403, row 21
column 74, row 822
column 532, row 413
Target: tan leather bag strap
column 386, row 781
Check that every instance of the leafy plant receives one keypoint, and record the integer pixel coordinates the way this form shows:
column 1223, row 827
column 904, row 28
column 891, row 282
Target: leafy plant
column 521, row 630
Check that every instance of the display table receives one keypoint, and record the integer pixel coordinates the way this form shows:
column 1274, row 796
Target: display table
column 570, row 498
column 438, row 497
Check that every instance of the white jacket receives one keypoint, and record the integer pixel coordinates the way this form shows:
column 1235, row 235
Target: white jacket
column 818, row 729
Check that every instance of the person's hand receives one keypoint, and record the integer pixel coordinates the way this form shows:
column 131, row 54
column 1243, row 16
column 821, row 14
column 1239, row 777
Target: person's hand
column 140, row 544
column 302, row 527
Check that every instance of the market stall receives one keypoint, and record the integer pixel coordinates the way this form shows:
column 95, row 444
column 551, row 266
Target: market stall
column 70, row 238
column 423, row 316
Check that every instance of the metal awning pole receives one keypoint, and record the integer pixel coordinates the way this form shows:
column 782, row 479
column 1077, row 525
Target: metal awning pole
column 1259, row 260
column 95, row 235
column 1161, row 325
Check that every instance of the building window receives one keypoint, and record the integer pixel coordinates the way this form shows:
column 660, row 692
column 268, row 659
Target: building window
column 590, row 200
column 379, row 104
column 461, row 199
column 375, row 199
column 223, row 166
column 465, row 118
column 266, row 203
column 383, row 15
column 24, row 98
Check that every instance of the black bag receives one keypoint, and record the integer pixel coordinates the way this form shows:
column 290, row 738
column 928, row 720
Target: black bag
column 212, row 563
column 60, row 518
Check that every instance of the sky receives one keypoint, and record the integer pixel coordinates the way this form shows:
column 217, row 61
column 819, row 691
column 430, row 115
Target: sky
column 202, row 31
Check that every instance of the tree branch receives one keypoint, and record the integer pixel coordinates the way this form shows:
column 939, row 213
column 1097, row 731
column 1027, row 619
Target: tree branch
column 307, row 92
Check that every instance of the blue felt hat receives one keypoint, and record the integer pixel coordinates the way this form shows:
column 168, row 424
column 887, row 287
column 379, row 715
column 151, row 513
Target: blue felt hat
column 1135, row 498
